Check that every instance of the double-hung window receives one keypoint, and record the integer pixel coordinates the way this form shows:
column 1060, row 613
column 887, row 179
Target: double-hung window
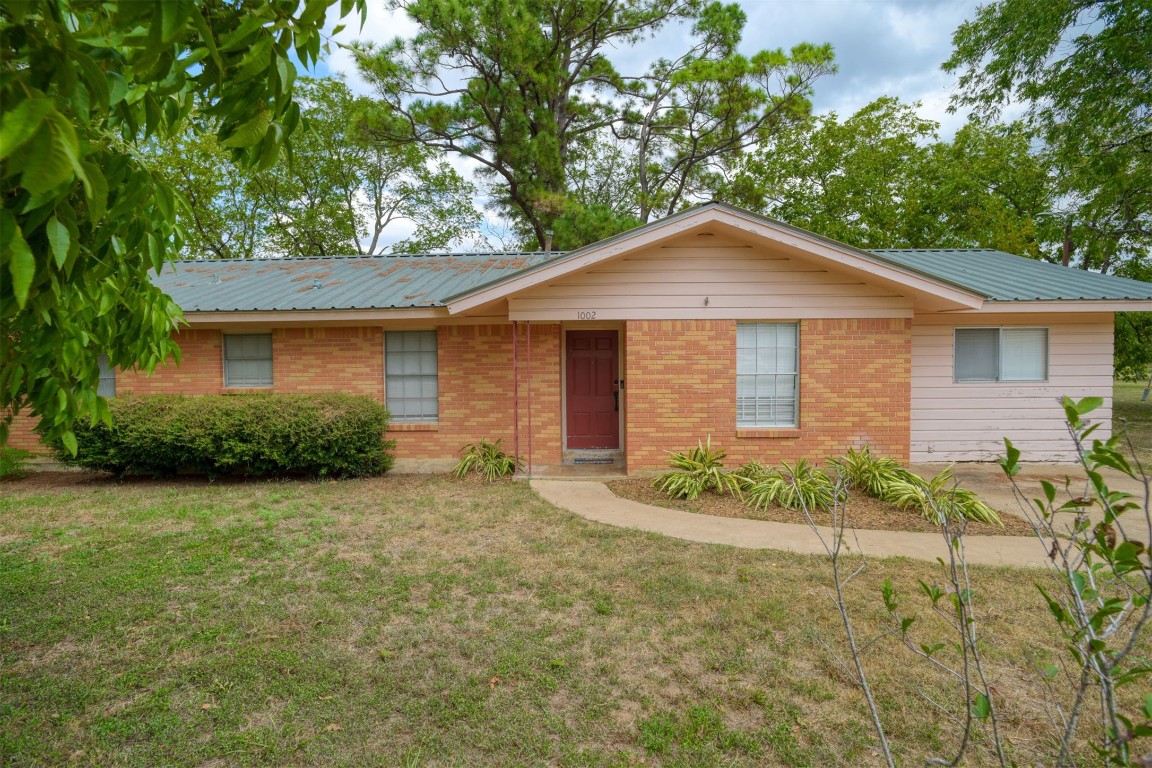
column 1001, row 354
column 410, row 382
column 767, row 374
column 107, row 385
column 248, row 360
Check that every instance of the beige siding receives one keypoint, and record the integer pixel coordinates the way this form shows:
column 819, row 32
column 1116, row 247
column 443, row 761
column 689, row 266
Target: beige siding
column 967, row 421
column 737, row 280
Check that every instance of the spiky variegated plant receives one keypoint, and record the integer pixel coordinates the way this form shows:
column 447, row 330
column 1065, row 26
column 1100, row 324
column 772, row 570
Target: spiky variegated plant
column 699, row 470
column 868, row 473
column 937, row 498
column 487, row 460
column 799, row 487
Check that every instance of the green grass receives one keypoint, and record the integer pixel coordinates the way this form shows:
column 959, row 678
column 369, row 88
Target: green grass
column 1134, row 417
column 430, row 622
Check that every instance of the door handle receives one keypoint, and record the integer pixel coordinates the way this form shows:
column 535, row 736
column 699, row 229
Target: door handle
column 616, row 400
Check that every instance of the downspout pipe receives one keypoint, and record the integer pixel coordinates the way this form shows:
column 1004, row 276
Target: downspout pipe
column 516, row 394
column 528, row 333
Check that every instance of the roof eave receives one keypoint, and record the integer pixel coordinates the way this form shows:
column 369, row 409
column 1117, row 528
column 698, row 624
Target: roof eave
column 729, row 217
column 1064, row 305
column 309, row 316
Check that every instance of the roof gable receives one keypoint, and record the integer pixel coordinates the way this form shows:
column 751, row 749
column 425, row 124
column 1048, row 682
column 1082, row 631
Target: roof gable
column 936, row 293
column 708, row 276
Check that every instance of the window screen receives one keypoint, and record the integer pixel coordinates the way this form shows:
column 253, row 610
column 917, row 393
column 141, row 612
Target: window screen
column 410, row 375
column 767, row 374
column 1001, row 354
column 107, row 385
column 248, row 360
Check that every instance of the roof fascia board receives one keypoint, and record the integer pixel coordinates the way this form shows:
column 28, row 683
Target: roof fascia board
column 711, row 214
column 1061, row 305
column 309, row 316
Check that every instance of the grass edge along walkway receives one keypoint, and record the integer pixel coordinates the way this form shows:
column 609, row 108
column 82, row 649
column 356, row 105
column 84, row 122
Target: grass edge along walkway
column 594, row 501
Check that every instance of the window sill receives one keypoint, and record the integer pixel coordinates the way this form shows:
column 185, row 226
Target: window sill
column 1013, row 382
column 245, row 390
column 411, row 426
column 777, row 432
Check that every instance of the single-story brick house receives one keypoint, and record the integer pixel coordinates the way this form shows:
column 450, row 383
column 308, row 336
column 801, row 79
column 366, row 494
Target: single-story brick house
column 776, row 342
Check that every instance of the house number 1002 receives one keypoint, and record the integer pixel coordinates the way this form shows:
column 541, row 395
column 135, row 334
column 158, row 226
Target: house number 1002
column 586, row 315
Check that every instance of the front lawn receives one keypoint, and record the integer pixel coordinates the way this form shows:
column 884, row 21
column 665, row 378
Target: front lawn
column 1133, row 416
column 431, row 622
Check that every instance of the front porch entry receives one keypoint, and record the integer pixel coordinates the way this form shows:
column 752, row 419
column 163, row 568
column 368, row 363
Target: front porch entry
column 592, row 396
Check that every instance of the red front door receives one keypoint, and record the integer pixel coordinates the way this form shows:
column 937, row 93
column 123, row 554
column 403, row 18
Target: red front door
column 592, row 401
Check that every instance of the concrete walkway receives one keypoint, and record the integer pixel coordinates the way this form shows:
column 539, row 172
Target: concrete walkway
column 594, row 501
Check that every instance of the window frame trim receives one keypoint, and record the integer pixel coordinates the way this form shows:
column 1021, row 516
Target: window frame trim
column 794, row 427
column 105, row 365
column 271, row 360
column 409, row 423
column 1000, row 353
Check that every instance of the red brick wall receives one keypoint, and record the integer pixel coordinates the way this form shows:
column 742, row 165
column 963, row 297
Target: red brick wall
column 855, row 389
column 477, row 393
column 475, row 381
column 681, row 387
column 311, row 360
column 200, row 372
column 20, row 434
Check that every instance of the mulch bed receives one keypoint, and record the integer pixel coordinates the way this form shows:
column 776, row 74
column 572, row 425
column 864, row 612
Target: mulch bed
column 863, row 511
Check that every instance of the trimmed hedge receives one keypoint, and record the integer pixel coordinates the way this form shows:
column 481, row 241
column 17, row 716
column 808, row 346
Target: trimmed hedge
column 329, row 435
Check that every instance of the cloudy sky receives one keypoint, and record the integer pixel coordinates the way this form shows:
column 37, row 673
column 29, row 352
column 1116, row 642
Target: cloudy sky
column 883, row 47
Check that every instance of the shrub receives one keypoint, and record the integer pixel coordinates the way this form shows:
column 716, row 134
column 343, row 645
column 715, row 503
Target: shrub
column 487, row 460
column 700, row 470
column 13, row 463
column 939, row 498
column 800, row 487
column 869, row 474
column 884, row 478
column 754, row 471
column 324, row 435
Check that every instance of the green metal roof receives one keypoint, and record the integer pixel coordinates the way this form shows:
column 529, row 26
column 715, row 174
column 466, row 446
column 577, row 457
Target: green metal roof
column 420, row 280
column 1001, row 276
column 992, row 274
column 338, row 282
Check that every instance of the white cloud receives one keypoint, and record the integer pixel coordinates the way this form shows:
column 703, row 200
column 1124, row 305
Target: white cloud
column 883, row 47
column 381, row 26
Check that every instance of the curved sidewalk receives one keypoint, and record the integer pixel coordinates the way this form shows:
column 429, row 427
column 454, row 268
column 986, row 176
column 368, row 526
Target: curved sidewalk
column 594, row 501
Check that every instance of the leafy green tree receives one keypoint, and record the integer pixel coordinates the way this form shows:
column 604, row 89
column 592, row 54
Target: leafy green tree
column 523, row 87
column 986, row 188
column 1083, row 68
column 339, row 193
column 695, row 114
column 84, row 84
column 222, row 220
column 849, row 180
column 880, row 179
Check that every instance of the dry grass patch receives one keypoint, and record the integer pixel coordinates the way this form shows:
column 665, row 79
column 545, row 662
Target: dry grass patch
column 1133, row 416
column 436, row 622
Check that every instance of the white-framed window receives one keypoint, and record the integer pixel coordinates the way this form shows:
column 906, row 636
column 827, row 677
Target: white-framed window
column 410, row 379
column 247, row 359
column 1001, row 354
column 767, row 374
column 107, row 385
